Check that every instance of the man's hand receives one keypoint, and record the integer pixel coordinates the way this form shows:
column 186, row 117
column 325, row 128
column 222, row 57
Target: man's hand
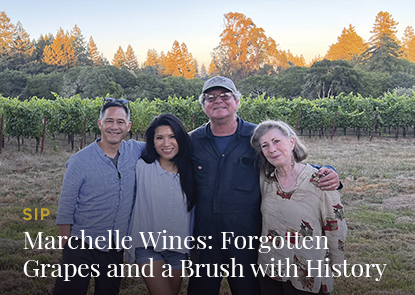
column 329, row 180
column 64, row 231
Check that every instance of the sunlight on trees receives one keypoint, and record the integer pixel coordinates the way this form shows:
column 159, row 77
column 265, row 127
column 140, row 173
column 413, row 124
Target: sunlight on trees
column 349, row 46
column 242, row 48
column 93, row 53
column 408, row 44
column 382, row 54
column 22, row 45
column 67, row 65
column 81, row 50
column 384, row 26
column 61, row 52
column 119, row 58
column 7, row 32
column 152, row 59
column 179, row 62
column 131, row 61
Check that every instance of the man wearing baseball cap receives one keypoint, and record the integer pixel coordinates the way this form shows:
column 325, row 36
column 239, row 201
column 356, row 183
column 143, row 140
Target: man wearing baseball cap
column 228, row 201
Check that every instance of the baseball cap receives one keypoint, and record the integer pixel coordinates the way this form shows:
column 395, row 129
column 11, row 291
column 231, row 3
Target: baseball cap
column 219, row 82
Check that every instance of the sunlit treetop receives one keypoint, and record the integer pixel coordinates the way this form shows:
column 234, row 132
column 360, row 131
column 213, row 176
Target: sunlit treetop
column 349, row 45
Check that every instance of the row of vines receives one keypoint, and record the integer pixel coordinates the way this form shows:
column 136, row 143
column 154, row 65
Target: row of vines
column 68, row 115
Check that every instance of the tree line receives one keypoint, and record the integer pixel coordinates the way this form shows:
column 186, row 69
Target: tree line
column 67, row 65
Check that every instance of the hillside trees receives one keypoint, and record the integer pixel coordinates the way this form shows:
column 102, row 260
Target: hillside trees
column 408, row 44
column 245, row 54
column 152, row 64
column 126, row 59
column 173, row 63
column 43, row 85
column 7, row 32
column 382, row 54
column 119, row 58
column 242, row 48
column 91, row 82
column 21, row 48
column 213, row 70
column 93, row 53
column 80, row 46
column 348, row 47
column 21, row 42
column 12, row 83
column 258, row 85
column 182, row 87
column 36, row 65
column 203, row 74
column 290, row 82
column 329, row 78
column 61, row 52
column 178, row 62
column 131, row 61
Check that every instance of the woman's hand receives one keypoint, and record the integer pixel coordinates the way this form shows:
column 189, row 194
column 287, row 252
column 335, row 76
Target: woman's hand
column 329, row 180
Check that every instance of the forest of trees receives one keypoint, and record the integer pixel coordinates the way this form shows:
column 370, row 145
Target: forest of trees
column 66, row 64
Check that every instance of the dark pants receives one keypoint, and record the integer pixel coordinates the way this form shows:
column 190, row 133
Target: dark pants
column 79, row 283
column 215, row 254
column 272, row 287
column 209, row 281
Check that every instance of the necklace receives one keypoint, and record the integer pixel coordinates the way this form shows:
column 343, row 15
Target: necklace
column 273, row 177
column 281, row 192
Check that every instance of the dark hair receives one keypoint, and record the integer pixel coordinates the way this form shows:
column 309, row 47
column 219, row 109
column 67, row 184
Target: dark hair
column 183, row 158
column 110, row 104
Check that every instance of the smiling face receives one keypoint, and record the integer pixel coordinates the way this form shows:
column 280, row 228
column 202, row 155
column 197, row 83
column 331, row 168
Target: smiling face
column 277, row 148
column 219, row 109
column 165, row 143
column 114, row 126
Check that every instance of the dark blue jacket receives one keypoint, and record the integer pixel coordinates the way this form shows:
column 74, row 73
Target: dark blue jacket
column 228, row 200
column 227, row 184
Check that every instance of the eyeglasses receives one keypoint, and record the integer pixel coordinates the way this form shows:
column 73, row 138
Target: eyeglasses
column 121, row 100
column 223, row 96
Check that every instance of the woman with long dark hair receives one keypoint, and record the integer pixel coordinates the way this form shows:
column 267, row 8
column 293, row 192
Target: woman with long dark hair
column 162, row 216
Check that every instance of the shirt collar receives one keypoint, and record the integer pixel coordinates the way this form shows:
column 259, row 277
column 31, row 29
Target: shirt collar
column 101, row 152
column 241, row 130
column 161, row 171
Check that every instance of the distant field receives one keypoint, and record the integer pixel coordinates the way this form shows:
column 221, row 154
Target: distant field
column 378, row 194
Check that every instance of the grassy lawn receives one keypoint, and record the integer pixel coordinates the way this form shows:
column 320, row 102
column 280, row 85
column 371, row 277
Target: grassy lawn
column 378, row 194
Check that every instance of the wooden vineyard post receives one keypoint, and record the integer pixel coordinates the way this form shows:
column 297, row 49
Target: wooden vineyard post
column 43, row 135
column 334, row 125
column 191, row 122
column 1, row 132
column 374, row 124
column 298, row 121
column 358, row 127
column 83, row 133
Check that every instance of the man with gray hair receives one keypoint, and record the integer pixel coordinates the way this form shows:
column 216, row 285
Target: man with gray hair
column 228, row 201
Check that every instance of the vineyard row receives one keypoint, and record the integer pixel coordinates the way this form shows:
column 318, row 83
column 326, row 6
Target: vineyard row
column 75, row 116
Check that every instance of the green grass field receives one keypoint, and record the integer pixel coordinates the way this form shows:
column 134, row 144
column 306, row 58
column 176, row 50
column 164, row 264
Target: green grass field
column 378, row 194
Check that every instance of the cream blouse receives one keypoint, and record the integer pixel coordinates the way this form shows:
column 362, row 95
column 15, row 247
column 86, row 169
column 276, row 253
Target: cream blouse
column 305, row 229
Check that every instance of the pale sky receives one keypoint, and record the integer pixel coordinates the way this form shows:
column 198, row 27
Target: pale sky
column 305, row 27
